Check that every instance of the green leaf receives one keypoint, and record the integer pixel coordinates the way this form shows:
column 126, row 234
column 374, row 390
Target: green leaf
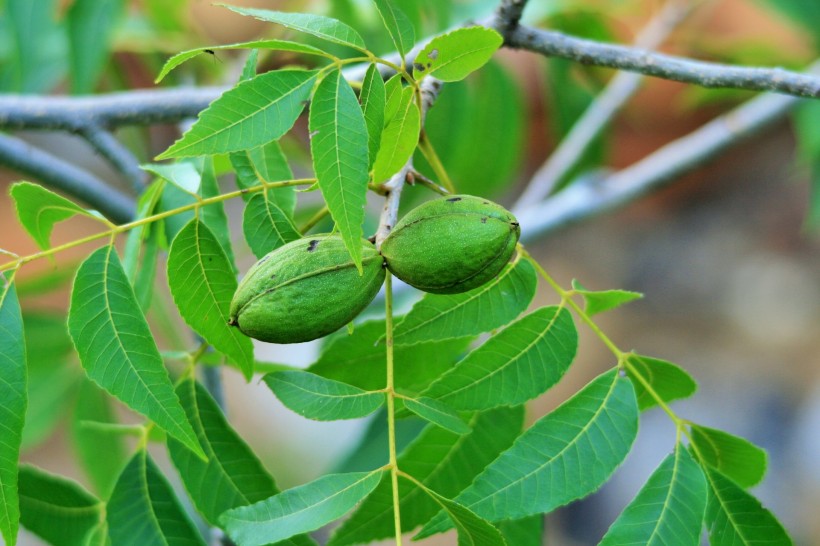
column 57, row 509
column 398, row 25
column 266, row 226
column 213, row 215
column 299, row 510
column 265, row 163
column 399, row 137
column 172, row 197
column 564, row 456
column 147, row 236
column 515, row 365
column 101, row 454
column 452, row 56
column 668, row 380
column 373, row 103
column 182, row 174
column 249, row 68
column 251, row 114
column 472, row 530
column 604, row 300
column 202, row 284
column 37, row 47
column 38, row 209
column 325, row 28
column 272, row 45
column 444, row 462
column 52, row 375
column 12, row 405
column 482, row 309
column 315, row 397
column 668, row 509
column 736, row 518
column 437, row 413
column 339, row 150
column 734, row 457
column 528, row 531
column 116, row 347
column 357, row 359
column 144, row 510
column 91, row 25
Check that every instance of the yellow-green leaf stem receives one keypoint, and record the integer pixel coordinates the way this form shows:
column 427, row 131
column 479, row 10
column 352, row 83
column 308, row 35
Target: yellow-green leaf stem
column 429, row 153
column 116, row 230
column 391, row 405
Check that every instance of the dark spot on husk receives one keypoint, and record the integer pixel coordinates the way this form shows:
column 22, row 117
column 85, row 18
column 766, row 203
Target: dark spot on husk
column 484, row 220
column 264, row 259
column 272, row 277
column 514, row 224
column 454, row 199
column 312, row 245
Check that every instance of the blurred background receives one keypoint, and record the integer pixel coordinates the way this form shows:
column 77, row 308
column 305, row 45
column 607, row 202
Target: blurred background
column 727, row 256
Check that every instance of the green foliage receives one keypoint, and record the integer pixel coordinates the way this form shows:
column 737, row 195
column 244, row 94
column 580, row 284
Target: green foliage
column 603, row 300
column 59, row 510
column 266, row 226
column 437, row 413
column 144, row 510
column 453, row 56
column 116, row 347
column 300, row 509
column 668, row 510
column 91, row 24
column 373, row 100
column 656, row 379
column 399, row 135
column 734, row 457
column 398, row 25
column 315, row 397
column 12, row 405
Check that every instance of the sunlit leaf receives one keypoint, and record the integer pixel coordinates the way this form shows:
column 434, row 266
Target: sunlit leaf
column 444, row 462
column 272, row 45
column 667, row 380
column 564, row 456
column 251, row 114
column 38, row 209
column 437, row 413
column 116, row 347
column 214, row 215
column 12, row 405
column 144, row 510
column 266, row 226
column 339, row 149
column 322, row 27
column 300, row 509
column 452, row 56
column 668, row 509
column 734, row 457
column 373, row 102
column 399, row 137
column 398, row 25
column 182, row 174
column 482, row 309
column 315, row 397
column 91, row 25
column 604, row 300
column 736, row 518
column 202, row 284
column 515, row 365
column 101, row 454
column 57, row 509
column 357, row 359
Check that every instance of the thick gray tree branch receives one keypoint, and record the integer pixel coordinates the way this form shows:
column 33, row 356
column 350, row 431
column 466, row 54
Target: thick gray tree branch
column 118, row 155
column 59, row 174
column 670, row 67
column 602, row 110
column 598, row 194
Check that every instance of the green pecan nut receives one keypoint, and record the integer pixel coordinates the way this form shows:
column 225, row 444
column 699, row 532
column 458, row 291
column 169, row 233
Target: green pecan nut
column 452, row 244
column 305, row 289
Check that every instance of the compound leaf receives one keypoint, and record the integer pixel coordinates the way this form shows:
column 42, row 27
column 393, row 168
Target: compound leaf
column 251, row 114
column 564, row 456
column 38, row 209
column 668, row 509
column 57, row 509
column 299, row 510
column 116, row 347
column 340, row 157
column 144, row 510
column 202, row 284
column 734, row 457
column 515, row 365
column 736, row 518
column 315, row 397
column 453, row 56
column 320, row 26
column 482, row 309
column 13, row 401
column 669, row 381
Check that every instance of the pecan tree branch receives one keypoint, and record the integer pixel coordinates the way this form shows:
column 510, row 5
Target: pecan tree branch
column 64, row 176
column 118, row 155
